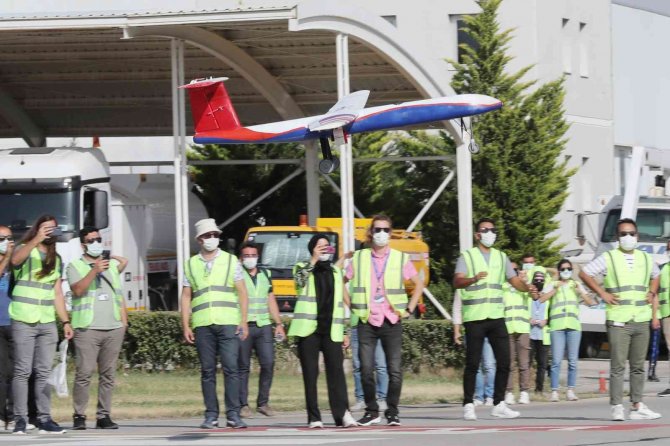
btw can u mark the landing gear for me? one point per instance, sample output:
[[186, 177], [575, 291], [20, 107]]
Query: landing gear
[[329, 163]]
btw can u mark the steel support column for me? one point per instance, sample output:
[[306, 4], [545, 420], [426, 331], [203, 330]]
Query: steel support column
[[464, 184]]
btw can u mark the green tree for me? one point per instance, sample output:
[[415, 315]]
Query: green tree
[[518, 178]]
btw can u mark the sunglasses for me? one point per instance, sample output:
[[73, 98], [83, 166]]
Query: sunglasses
[[625, 233], [210, 235], [485, 230], [93, 240], [6, 237], [249, 256], [378, 230], [565, 269]]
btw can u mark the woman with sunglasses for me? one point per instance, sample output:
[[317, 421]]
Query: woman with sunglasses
[[564, 297]]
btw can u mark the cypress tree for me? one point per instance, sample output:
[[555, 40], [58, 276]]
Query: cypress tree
[[518, 178]]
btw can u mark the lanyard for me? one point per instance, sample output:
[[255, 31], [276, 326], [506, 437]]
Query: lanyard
[[379, 275]]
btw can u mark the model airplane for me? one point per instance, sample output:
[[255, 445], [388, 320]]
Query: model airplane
[[216, 122]]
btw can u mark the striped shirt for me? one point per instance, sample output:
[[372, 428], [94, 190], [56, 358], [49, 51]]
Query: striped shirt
[[598, 266]]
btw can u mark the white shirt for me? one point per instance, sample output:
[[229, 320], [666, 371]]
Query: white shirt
[[598, 266]]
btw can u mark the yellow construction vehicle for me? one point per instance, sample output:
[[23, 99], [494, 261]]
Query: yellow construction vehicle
[[283, 246]]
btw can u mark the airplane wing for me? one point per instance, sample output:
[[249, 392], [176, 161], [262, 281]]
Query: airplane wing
[[344, 112]]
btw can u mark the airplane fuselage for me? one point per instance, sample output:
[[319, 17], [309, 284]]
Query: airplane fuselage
[[369, 119]]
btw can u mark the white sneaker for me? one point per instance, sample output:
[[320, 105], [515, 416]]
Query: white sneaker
[[570, 395], [469, 412], [618, 413], [477, 402], [360, 405], [348, 420], [509, 398], [316, 425], [555, 398], [643, 413], [382, 404], [502, 411], [488, 401], [524, 398]]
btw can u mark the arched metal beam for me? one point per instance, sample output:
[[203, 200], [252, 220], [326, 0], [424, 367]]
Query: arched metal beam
[[17, 117], [231, 55], [348, 18]]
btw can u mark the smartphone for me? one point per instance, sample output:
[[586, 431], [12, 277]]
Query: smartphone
[[330, 249], [105, 254], [57, 232]]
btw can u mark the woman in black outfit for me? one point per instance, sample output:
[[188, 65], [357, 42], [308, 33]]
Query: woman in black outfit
[[318, 325]]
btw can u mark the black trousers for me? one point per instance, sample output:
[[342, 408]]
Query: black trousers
[[390, 336], [6, 374], [475, 332], [538, 352], [333, 357]]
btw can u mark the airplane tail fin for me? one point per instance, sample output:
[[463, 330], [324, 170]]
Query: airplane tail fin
[[211, 107]]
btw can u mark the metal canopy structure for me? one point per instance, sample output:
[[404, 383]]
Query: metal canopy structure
[[114, 74]]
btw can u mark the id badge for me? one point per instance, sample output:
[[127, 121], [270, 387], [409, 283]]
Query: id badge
[[103, 297], [379, 298]]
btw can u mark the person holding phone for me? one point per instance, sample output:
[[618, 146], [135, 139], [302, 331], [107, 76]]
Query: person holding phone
[[318, 325], [37, 297], [214, 307], [99, 320], [379, 300]]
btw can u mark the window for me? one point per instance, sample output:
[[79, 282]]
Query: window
[[464, 38], [566, 50], [583, 51]]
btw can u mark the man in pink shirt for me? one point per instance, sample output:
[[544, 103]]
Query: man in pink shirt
[[379, 299]]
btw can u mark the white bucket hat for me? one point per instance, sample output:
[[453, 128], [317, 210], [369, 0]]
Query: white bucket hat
[[206, 225]]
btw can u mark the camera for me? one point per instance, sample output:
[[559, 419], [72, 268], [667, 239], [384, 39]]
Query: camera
[[330, 250], [56, 232], [538, 281]]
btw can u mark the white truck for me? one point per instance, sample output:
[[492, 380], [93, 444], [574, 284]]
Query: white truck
[[135, 213], [647, 203]]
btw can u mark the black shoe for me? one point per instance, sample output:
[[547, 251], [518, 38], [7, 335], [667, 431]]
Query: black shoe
[[393, 420], [50, 427], [666, 392], [78, 422], [106, 423], [653, 379], [236, 423], [20, 427], [369, 419]]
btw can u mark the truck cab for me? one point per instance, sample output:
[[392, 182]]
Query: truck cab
[[282, 247]]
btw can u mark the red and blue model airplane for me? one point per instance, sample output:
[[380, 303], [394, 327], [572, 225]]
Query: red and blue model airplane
[[216, 122]]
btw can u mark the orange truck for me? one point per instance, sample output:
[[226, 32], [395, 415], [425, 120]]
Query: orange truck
[[284, 246]]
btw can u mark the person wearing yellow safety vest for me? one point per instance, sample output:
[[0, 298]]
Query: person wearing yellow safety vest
[[6, 344], [629, 289], [480, 274], [318, 326], [263, 310], [37, 298], [99, 320], [214, 307], [664, 315], [379, 299], [563, 298], [517, 320]]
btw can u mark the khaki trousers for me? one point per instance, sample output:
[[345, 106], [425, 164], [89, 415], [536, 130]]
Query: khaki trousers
[[519, 351], [93, 348], [629, 342]]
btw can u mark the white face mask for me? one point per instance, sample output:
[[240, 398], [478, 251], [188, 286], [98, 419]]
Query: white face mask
[[381, 238], [94, 249], [210, 244], [488, 238], [325, 257], [527, 266], [565, 275], [250, 262], [4, 246], [628, 242]]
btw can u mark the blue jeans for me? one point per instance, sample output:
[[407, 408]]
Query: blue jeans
[[262, 341], [486, 374], [380, 368], [560, 340], [220, 340]]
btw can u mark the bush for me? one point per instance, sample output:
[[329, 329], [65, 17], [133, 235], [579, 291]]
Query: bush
[[444, 294], [154, 341]]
